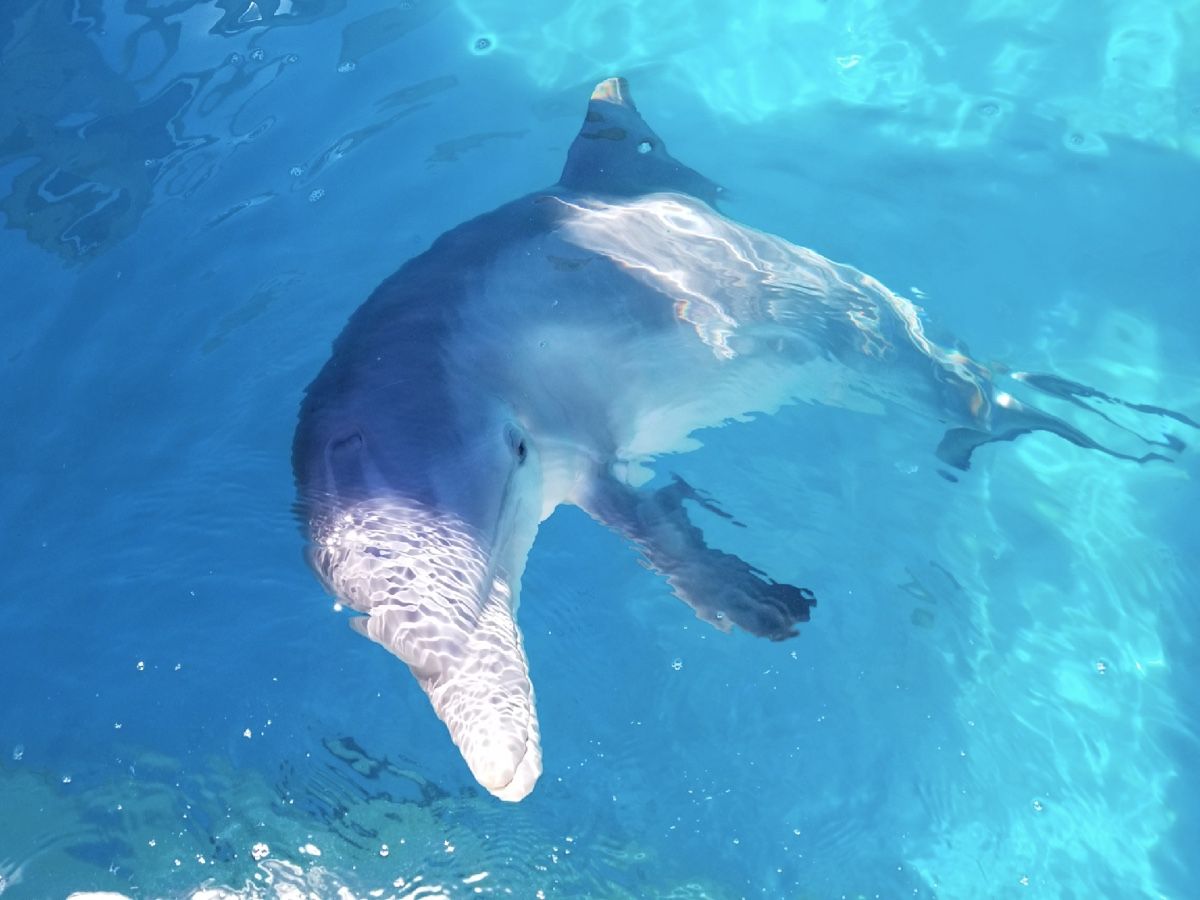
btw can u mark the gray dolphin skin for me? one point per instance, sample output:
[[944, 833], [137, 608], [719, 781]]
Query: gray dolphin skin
[[544, 353]]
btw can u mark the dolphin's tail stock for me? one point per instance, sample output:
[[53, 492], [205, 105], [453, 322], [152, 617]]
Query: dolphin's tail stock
[[1129, 427], [432, 599]]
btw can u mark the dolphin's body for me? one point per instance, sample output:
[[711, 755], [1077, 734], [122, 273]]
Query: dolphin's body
[[537, 356]]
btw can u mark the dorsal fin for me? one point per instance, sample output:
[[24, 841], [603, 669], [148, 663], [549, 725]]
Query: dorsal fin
[[617, 153]]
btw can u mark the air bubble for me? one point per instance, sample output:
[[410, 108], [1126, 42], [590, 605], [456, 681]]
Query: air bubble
[[989, 109], [1085, 142], [316, 195], [295, 171], [677, 664], [348, 66], [483, 44], [645, 147], [258, 55]]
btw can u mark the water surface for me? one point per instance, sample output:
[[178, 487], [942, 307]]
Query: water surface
[[996, 695]]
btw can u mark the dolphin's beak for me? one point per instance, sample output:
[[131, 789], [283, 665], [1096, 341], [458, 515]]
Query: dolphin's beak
[[477, 679], [486, 700], [432, 599]]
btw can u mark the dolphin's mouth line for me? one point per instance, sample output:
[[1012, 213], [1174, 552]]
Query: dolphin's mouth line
[[516, 767], [501, 533]]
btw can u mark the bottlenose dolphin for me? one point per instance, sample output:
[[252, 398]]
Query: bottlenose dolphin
[[541, 355]]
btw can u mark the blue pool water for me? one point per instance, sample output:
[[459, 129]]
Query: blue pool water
[[996, 696]]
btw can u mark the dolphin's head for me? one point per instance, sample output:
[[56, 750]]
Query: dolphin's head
[[423, 522]]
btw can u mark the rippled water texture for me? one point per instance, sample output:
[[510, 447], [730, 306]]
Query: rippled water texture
[[996, 695]]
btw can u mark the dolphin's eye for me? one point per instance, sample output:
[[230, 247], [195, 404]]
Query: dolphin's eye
[[517, 441]]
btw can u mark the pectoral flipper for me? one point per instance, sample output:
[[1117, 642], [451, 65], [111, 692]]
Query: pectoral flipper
[[722, 588]]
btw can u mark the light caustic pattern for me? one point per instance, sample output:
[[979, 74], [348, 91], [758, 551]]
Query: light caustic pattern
[[959, 76], [1068, 714]]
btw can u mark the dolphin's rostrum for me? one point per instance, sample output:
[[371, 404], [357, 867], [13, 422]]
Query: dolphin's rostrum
[[540, 355]]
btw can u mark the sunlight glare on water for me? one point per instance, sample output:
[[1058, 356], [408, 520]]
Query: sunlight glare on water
[[959, 71], [996, 694]]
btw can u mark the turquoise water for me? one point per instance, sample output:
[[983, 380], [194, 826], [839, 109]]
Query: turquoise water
[[996, 695]]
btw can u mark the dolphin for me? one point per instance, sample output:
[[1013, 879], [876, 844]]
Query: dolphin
[[543, 354]]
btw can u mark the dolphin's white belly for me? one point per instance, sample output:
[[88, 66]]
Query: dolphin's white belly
[[649, 397], [636, 323], [664, 418], [655, 317]]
